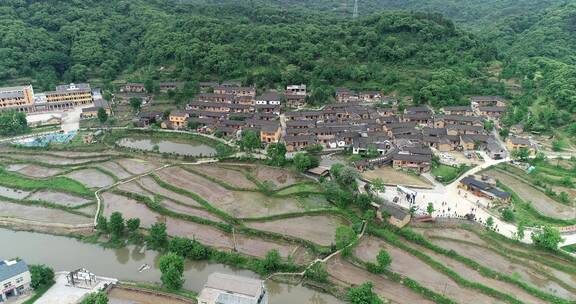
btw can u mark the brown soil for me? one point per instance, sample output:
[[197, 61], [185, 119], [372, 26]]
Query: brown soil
[[280, 177], [150, 184], [348, 274], [34, 170], [134, 187], [54, 160], [170, 205], [115, 169], [259, 247], [392, 176], [59, 198], [91, 178], [540, 201], [124, 296], [242, 204], [493, 260], [231, 177], [40, 214], [137, 166], [319, 229], [412, 267], [452, 233]]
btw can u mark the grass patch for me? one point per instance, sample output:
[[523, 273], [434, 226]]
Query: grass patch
[[299, 189], [58, 183], [38, 293], [446, 174]]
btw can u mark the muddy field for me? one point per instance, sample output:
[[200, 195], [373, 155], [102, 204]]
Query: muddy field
[[493, 260], [135, 187], [452, 233], [150, 184], [13, 193], [40, 214], [280, 177], [232, 177], [171, 205], [59, 198], [34, 170], [348, 274], [242, 204], [471, 275], [391, 176], [319, 229], [540, 201], [412, 267], [123, 296], [115, 169], [53, 160], [137, 166], [91, 178]]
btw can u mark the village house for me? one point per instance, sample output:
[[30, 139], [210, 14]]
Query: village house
[[295, 95], [213, 97], [236, 91], [92, 112], [514, 143], [464, 129], [492, 112], [484, 101], [416, 162], [482, 189], [494, 149], [14, 97], [15, 279], [230, 289], [167, 86], [370, 96], [268, 98], [379, 142], [270, 132], [394, 214], [421, 118], [344, 95], [441, 121], [178, 119], [458, 110], [133, 88], [299, 142]]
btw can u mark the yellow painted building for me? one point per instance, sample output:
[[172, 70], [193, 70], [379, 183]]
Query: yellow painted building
[[72, 94], [270, 134], [16, 96], [178, 119]]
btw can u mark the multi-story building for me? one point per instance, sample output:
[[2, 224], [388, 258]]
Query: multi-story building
[[178, 119], [18, 98], [14, 279], [224, 288]]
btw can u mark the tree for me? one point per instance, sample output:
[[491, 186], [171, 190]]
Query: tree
[[520, 230], [223, 150], [135, 104], [102, 224], [301, 161], [276, 154], [372, 151], [430, 209], [521, 154], [504, 132], [102, 115], [345, 176], [508, 215], [12, 123], [548, 238], [363, 294], [41, 275], [116, 224], [378, 185], [557, 145], [133, 225], [172, 268], [157, 238], [249, 141], [488, 125], [95, 298], [317, 273], [272, 261], [344, 236], [490, 222], [384, 259], [314, 149]]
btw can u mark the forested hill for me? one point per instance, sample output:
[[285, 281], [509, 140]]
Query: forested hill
[[74, 40], [468, 12]]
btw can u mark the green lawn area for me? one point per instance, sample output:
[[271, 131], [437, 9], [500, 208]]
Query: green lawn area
[[446, 174], [571, 248], [55, 183]]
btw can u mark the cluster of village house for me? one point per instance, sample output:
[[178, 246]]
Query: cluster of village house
[[403, 138]]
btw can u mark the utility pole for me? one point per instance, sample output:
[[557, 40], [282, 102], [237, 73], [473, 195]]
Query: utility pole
[[355, 14]]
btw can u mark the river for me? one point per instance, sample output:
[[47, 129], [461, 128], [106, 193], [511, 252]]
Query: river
[[62, 253], [188, 148]]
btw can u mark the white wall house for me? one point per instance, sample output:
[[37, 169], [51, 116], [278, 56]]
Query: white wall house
[[14, 279], [229, 289]]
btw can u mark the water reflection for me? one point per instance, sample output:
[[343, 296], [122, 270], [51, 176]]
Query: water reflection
[[65, 254], [189, 148]]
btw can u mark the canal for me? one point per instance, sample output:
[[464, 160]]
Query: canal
[[62, 253]]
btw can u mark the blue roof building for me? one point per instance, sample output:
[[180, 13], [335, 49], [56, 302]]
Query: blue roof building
[[14, 279]]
